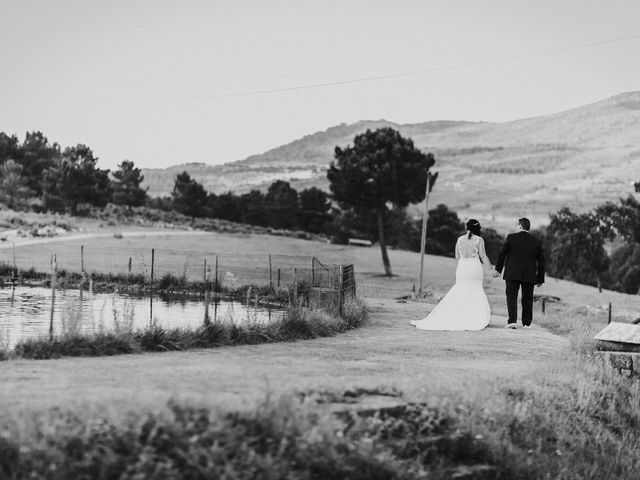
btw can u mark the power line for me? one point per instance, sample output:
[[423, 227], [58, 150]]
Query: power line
[[420, 72]]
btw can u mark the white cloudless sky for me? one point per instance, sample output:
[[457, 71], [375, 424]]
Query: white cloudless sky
[[155, 81]]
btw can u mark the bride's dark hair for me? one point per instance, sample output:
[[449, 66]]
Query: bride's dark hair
[[474, 227]]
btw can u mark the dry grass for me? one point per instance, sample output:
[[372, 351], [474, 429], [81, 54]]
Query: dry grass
[[386, 352], [570, 418], [528, 403], [104, 252]]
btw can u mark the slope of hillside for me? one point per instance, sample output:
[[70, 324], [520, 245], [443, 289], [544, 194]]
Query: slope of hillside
[[494, 171]]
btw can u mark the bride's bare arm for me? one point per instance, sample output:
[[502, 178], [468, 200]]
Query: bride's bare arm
[[457, 249]]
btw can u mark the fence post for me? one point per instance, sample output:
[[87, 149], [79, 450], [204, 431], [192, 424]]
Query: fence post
[[340, 289], [153, 261], [278, 278], [129, 265], [53, 298], [609, 321], [313, 270], [204, 273], [217, 286], [81, 258], [13, 249], [544, 304], [207, 294], [295, 284], [270, 273]]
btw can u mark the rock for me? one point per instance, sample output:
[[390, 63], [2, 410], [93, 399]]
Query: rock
[[625, 363], [473, 472]]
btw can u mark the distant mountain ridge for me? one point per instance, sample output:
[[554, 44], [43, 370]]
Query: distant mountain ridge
[[494, 171]]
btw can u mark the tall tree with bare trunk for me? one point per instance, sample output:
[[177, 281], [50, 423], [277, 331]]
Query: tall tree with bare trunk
[[382, 168]]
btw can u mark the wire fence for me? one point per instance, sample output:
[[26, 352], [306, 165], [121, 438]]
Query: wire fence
[[303, 276]]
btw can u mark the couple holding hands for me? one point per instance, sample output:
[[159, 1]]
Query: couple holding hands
[[465, 306]]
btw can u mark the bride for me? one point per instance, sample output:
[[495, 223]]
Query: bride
[[465, 306]]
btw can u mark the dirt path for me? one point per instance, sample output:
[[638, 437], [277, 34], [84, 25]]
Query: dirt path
[[387, 353]]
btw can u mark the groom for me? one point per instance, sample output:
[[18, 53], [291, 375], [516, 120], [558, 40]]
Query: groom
[[523, 260]]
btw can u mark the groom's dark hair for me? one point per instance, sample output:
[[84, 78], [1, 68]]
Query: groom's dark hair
[[524, 223]]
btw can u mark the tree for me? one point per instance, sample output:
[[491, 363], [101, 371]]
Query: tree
[[254, 211], [282, 205], [75, 179], [13, 185], [314, 214], [9, 147], [226, 206], [624, 272], [381, 168], [577, 246], [622, 219], [444, 229], [189, 196], [493, 242], [36, 155], [126, 186]]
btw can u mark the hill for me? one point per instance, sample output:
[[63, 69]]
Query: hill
[[493, 171]]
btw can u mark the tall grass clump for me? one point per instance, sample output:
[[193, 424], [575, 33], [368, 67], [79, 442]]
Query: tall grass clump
[[296, 323], [575, 421], [275, 441], [354, 312], [100, 344]]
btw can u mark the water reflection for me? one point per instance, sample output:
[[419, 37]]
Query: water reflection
[[25, 312]]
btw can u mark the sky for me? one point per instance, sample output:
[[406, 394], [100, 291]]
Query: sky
[[163, 83]]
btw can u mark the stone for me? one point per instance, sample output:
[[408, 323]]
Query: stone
[[625, 363]]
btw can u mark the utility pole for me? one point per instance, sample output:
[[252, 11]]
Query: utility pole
[[423, 238]]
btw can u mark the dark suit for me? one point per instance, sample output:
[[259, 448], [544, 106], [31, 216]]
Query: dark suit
[[522, 258]]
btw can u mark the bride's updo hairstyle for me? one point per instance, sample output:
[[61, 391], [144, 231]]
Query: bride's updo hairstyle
[[474, 227]]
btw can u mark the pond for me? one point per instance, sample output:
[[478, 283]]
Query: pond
[[25, 312]]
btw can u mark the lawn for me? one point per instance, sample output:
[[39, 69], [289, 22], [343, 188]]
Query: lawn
[[528, 396]]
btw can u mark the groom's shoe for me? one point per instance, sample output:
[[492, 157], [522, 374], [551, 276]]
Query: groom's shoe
[[510, 325], [526, 326]]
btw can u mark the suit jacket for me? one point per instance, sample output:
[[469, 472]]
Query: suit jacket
[[522, 258]]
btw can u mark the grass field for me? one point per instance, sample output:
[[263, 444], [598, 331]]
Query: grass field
[[176, 249], [512, 388]]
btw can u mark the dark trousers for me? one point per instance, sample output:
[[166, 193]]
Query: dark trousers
[[527, 301]]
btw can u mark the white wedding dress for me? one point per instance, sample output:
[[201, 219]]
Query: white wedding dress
[[465, 306]]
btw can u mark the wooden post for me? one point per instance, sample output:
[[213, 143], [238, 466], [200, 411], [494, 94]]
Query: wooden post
[[278, 278], [204, 273], [609, 321], [13, 249], [313, 270], [270, 273], [53, 298], [544, 303], [153, 260], [217, 287], [295, 284], [129, 265], [81, 270], [340, 290], [423, 237], [207, 294]]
